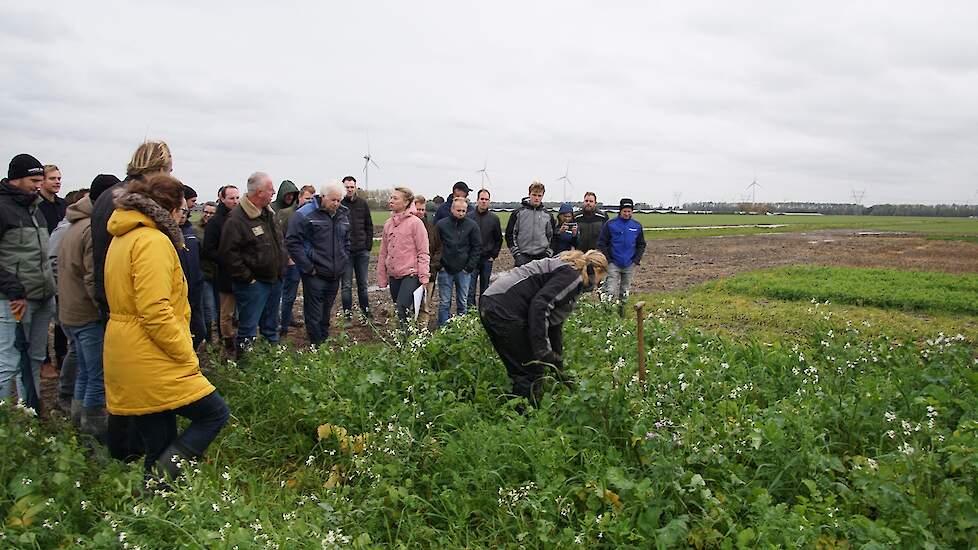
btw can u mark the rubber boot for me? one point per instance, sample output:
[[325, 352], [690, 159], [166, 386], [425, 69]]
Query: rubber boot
[[95, 422], [168, 465], [77, 413]]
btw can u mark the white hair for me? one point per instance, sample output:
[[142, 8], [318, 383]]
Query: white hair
[[255, 180], [332, 186]]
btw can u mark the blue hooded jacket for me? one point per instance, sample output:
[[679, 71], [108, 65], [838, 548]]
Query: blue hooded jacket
[[319, 243], [622, 241]]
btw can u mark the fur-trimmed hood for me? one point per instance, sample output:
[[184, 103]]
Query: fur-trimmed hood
[[146, 206]]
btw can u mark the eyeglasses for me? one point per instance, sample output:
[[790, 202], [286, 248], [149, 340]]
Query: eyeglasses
[[185, 210]]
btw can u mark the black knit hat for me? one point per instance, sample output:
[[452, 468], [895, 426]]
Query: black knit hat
[[188, 192], [100, 184], [626, 203], [24, 165]]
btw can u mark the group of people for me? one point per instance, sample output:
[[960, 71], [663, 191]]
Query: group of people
[[136, 287]]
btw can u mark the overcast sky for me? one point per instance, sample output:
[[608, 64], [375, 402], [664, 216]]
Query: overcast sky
[[644, 99]]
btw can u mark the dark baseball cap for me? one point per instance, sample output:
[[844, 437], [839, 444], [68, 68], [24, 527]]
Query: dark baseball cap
[[461, 185], [626, 203]]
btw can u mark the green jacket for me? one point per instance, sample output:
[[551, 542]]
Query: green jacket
[[25, 269], [286, 188]]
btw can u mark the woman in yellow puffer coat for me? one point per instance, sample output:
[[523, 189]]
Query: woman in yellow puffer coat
[[151, 369]]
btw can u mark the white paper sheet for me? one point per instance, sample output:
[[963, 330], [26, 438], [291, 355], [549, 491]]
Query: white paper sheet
[[418, 296]]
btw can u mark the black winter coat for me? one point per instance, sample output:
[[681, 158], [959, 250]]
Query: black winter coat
[[491, 232], [461, 244], [211, 246], [361, 224], [540, 296], [54, 211]]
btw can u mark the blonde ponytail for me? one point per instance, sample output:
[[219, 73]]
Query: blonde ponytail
[[580, 261]]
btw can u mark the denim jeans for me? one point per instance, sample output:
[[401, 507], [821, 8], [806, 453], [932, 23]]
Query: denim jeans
[[69, 372], [290, 289], [36, 320], [209, 299], [619, 280], [480, 278], [402, 293], [159, 430], [318, 295], [257, 310], [87, 342], [359, 262], [446, 282]]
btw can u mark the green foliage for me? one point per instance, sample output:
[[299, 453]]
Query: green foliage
[[886, 288], [839, 439]]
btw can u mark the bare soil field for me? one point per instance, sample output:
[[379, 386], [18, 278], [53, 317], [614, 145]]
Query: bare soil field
[[676, 264]]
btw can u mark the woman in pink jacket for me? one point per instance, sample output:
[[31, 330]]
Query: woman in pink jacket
[[403, 261]]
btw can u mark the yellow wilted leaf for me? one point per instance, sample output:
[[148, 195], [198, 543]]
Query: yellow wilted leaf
[[324, 431], [25, 510], [612, 498], [291, 483], [335, 477], [360, 443]]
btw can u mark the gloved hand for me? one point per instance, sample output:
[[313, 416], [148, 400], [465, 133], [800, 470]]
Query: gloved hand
[[553, 358], [558, 362]]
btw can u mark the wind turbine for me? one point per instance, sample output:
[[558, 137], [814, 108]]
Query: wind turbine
[[367, 161], [485, 173], [753, 187], [566, 179]]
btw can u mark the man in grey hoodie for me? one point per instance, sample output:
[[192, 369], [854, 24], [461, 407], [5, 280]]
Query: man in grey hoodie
[[530, 228]]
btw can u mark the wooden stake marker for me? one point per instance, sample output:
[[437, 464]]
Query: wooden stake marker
[[640, 320]]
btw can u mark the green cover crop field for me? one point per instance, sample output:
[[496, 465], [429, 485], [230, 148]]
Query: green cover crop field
[[803, 407]]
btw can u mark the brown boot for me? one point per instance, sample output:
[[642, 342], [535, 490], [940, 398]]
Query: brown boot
[[48, 371]]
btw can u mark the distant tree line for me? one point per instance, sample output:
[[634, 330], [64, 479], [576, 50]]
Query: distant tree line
[[377, 199], [839, 209]]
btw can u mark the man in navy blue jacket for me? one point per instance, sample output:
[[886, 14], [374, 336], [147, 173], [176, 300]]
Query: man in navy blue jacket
[[622, 240], [318, 240], [460, 189], [190, 261]]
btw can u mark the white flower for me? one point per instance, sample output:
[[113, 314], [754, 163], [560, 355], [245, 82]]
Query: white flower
[[890, 417]]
